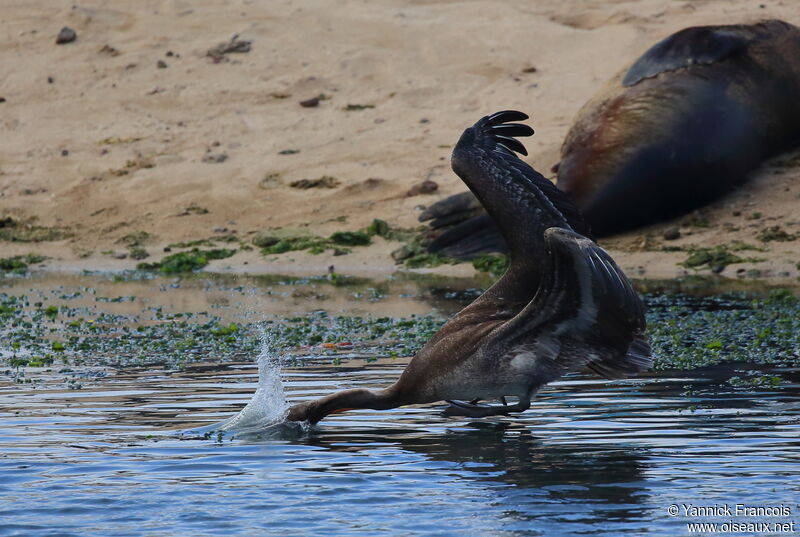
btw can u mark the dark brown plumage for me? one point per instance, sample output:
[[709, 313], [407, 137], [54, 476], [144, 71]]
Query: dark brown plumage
[[563, 304]]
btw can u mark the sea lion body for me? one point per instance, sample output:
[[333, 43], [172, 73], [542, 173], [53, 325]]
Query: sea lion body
[[681, 126], [684, 124]]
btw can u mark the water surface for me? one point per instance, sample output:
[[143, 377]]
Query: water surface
[[589, 458]]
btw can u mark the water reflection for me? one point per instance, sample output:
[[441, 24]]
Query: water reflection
[[510, 453]]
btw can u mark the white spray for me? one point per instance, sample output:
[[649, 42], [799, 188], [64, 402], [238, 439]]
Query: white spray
[[268, 405]]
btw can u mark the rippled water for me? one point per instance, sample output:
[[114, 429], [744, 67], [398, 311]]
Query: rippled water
[[589, 457]]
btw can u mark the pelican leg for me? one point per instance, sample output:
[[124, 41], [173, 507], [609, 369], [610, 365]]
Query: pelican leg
[[461, 408]]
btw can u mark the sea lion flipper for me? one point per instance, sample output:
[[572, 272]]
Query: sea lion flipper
[[698, 45], [469, 239], [461, 202]]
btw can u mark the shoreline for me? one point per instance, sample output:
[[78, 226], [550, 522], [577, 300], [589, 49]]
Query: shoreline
[[454, 277]]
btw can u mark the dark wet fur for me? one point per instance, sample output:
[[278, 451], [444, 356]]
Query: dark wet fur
[[701, 45], [691, 119], [688, 122]]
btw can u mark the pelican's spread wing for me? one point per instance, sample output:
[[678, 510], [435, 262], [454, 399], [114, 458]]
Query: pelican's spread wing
[[587, 304], [518, 198]]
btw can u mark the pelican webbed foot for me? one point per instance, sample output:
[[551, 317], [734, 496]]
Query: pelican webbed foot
[[471, 410]]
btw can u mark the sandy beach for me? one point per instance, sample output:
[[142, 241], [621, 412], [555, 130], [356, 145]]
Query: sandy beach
[[134, 129]]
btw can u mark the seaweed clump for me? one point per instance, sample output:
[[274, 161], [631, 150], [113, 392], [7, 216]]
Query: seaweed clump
[[190, 261], [18, 264], [12, 230], [715, 258], [277, 243], [429, 260], [351, 238], [775, 233], [494, 264]]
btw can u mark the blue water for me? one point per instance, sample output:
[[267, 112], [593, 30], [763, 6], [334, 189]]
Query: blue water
[[589, 458]]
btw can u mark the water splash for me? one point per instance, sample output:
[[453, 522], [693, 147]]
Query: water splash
[[268, 405]]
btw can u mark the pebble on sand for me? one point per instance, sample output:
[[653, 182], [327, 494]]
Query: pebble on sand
[[310, 103], [109, 50], [215, 158], [326, 181], [235, 45], [66, 35], [672, 233], [425, 187]]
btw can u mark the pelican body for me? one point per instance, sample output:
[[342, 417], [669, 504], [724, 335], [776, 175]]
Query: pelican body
[[562, 304]]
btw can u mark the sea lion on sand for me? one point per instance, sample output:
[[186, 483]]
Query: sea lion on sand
[[684, 124], [677, 129]]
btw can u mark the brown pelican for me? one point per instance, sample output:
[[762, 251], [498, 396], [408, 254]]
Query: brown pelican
[[562, 305]]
